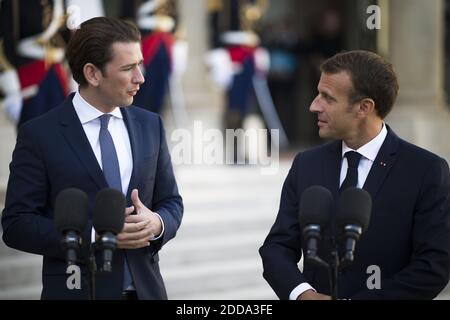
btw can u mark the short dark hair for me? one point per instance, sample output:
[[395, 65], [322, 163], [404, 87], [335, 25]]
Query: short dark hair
[[372, 77], [92, 43]]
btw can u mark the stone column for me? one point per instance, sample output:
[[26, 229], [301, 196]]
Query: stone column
[[416, 48], [194, 24], [202, 101]]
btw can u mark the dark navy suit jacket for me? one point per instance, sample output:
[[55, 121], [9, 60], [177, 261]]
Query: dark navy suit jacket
[[53, 153], [408, 236]]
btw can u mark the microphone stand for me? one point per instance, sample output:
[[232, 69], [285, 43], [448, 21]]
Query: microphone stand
[[333, 268], [333, 273], [92, 265]]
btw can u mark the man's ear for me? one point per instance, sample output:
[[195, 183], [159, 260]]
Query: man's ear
[[366, 107], [92, 74]]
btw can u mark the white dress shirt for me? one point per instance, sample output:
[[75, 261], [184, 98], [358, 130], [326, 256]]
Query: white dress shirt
[[369, 152], [89, 118]]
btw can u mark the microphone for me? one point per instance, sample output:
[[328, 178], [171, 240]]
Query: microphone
[[352, 219], [109, 217], [70, 218], [313, 216]]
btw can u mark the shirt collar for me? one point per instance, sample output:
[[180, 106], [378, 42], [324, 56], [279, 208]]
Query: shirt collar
[[371, 148], [86, 112]]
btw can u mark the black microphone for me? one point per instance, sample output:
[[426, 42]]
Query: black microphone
[[109, 217], [352, 219], [313, 216], [70, 218]]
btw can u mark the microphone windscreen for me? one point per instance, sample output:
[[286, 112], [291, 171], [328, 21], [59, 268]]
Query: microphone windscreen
[[71, 210], [109, 211], [355, 208], [315, 206]]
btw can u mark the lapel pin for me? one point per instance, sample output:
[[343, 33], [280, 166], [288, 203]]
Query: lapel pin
[[383, 163]]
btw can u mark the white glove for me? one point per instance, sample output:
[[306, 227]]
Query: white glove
[[221, 67], [10, 85]]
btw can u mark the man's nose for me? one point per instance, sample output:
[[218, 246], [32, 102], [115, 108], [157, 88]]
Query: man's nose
[[139, 77], [315, 106]]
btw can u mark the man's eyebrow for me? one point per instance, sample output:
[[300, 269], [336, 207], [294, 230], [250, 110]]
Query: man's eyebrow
[[326, 94], [132, 64]]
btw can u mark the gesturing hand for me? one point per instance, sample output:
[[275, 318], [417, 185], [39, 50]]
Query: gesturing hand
[[139, 227]]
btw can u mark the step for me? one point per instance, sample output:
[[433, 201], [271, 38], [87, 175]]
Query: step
[[240, 200], [20, 270], [8, 141], [201, 175], [219, 225], [228, 184], [219, 241], [6, 251], [236, 216], [259, 292], [214, 268], [232, 197], [445, 294], [177, 255], [223, 288], [197, 257], [2, 206], [215, 275], [28, 292]]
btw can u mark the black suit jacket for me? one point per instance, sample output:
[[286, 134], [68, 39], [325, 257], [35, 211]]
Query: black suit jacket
[[53, 153], [408, 236]]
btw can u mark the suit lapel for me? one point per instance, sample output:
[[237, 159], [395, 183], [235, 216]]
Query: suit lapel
[[77, 140], [329, 178], [135, 134], [383, 163], [331, 168]]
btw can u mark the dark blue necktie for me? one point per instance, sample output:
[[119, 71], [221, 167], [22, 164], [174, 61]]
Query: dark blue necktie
[[111, 171], [351, 179], [110, 162]]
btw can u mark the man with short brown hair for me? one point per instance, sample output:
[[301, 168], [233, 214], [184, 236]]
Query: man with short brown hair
[[408, 237], [94, 140]]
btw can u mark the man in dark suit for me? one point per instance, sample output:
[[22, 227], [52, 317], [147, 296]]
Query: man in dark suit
[[408, 237], [95, 140]]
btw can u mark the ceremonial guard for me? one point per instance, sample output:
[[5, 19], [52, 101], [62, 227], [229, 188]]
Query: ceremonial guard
[[34, 36]]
